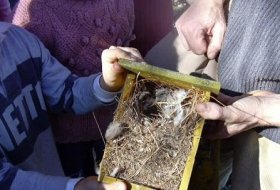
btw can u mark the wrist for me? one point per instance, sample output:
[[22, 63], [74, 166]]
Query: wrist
[[103, 84], [107, 87], [269, 109], [104, 95]]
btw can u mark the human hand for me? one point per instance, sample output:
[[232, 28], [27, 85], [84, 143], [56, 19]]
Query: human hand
[[113, 74], [259, 108], [202, 26], [90, 183]]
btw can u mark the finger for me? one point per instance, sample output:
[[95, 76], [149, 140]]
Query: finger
[[112, 47], [112, 56], [192, 36], [197, 41], [237, 128], [135, 53], [115, 186], [221, 131], [216, 41], [217, 129], [213, 111]]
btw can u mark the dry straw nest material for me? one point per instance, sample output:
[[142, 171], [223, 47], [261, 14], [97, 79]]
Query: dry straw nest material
[[157, 130]]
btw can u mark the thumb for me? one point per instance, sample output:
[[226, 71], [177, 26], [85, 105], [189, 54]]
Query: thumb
[[115, 186], [216, 41], [213, 111], [209, 110], [197, 41]]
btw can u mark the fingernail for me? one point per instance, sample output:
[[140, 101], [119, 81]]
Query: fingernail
[[211, 55], [120, 186], [200, 108]]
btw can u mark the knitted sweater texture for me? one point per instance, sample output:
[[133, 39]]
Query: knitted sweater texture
[[30, 80], [250, 57], [76, 33], [5, 11]]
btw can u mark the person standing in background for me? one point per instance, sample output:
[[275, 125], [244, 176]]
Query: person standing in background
[[247, 48]]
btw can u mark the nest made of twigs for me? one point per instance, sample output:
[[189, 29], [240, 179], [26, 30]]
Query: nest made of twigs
[[156, 139]]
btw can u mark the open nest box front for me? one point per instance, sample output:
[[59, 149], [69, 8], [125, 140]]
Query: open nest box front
[[158, 129]]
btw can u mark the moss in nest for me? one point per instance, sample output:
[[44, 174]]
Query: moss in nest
[[156, 135]]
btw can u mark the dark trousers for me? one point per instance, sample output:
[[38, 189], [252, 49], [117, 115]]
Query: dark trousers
[[77, 158], [13, 3]]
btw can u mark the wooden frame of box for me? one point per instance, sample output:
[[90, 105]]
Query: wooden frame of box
[[168, 77]]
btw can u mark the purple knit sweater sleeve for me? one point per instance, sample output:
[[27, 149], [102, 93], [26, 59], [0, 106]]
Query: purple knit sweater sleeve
[[5, 11]]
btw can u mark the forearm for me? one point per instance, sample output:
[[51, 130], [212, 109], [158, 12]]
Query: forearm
[[78, 95], [89, 95], [66, 92]]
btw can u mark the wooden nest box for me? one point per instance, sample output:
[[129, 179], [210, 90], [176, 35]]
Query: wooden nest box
[[159, 129]]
